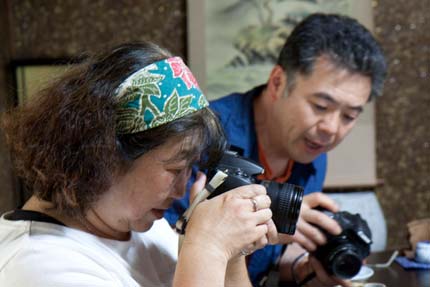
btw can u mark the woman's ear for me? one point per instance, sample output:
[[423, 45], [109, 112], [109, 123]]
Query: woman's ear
[[277, 83]]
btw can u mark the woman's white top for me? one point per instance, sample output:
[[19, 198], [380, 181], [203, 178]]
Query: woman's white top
[[44, 254]]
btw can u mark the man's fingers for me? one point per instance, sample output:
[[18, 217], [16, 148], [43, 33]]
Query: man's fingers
[[301, 239], [321, 274], [319, 199], [323, 278], [321, 220], [312, 235]]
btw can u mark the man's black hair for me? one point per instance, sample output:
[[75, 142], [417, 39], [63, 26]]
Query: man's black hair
[[347, 43]]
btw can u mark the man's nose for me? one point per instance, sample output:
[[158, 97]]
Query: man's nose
[[329, 124]]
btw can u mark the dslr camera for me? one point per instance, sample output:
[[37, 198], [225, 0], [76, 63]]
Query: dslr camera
[[286, 198], [343, 254]]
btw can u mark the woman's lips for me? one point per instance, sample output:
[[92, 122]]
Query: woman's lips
[[158, 213]]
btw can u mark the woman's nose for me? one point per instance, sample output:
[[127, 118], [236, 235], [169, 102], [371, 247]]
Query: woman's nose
[[179, 187]]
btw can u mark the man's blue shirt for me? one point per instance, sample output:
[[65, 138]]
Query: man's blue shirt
[[236, 114]]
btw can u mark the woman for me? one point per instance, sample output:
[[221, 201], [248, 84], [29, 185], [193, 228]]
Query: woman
[[105, 150]]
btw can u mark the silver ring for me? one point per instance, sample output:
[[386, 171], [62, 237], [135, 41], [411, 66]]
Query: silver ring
[[245, 252], [254, 204]]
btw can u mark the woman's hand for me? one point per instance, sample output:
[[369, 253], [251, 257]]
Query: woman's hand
[[233, 223]]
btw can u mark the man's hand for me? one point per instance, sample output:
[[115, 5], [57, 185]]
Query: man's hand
[[304, 267], [307, 234], [322, 278]]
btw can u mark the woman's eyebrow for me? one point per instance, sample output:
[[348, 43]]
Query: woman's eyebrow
[[181, 157]]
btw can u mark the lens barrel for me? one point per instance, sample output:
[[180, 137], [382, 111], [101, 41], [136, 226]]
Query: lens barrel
[[286, 202], [346, 264]]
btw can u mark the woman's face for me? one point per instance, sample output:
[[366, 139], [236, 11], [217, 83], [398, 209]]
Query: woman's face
[[141, 196]]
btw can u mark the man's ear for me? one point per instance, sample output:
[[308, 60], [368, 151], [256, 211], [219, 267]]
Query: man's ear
[[277, 83]]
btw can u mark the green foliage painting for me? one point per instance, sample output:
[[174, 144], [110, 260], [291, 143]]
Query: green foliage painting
[[244, 37]]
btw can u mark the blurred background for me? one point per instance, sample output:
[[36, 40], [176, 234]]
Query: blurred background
[[39, 32]]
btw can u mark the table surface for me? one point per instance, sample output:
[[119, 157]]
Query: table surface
[[395, 275]]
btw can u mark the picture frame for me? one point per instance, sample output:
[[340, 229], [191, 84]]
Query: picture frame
[[29, 76], [350, 165]]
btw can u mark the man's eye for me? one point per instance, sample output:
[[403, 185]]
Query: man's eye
[[320, 107], [349, 118]]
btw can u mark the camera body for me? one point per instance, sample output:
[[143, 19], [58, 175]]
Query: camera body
[[285, 198], [343, 254]]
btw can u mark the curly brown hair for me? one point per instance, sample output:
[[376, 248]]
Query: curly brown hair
[[63, 141]]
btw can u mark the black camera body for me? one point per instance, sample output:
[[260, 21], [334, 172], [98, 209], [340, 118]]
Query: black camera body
[[286, 198], [343, 254]]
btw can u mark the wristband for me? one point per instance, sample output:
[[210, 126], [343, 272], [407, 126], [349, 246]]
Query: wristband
[[293, 265]]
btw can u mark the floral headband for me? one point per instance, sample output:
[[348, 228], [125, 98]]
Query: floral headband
[[157, 94]]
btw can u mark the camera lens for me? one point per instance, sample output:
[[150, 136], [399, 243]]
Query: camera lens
[[346, 264], [286, 201], [342, 255]]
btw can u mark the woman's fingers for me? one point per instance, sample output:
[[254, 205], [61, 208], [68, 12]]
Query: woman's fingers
[[248, 191], [262, 216], [198, 185], [238, 221], [272, 233], [261, 201]]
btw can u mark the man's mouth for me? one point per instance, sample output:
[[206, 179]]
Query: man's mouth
[[314, 146]]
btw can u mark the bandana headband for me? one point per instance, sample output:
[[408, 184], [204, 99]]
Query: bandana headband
[[157, 94]]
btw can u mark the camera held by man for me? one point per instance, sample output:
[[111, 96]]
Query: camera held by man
[[343, 254]]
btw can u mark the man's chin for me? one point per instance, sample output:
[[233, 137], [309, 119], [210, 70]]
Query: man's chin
[[306, 158], [306, 154]]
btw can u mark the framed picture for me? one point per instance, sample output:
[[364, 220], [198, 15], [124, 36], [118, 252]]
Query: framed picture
[[32, 75], [233, 45], [29, 77]]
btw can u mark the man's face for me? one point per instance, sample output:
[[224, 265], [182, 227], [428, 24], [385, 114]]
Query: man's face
[[318, 112]]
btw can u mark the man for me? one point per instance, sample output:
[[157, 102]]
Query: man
[[328, 69]]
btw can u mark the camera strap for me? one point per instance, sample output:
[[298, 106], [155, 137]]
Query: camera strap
[[30, 215], [213, 184]]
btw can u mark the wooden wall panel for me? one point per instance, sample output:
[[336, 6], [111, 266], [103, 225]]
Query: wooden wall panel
[[402, 115]]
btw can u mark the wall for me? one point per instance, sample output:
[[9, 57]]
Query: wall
[[402, 114], [67, 28], [8, 196]]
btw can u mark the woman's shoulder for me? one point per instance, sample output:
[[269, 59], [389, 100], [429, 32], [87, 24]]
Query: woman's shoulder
[[24, 238], [41, 254], [46, 253]]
